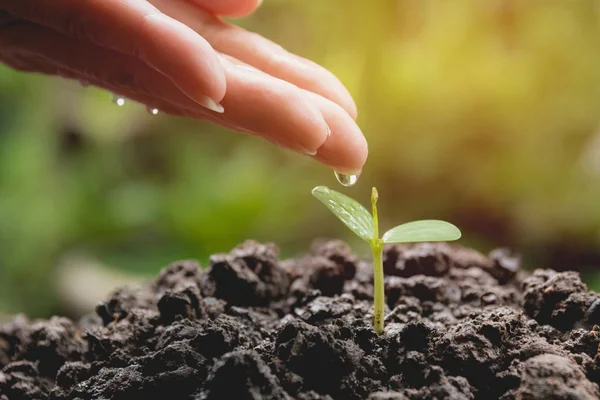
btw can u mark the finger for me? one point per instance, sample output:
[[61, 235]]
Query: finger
[[136, 28], [261, 53], [229, 8], [272, 108], [30, 47], [346, 149], [271, 58]]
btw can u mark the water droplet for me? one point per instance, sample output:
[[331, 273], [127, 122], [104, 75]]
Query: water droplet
[[152, 110], [346, 180], [84, 83], [119, 100]]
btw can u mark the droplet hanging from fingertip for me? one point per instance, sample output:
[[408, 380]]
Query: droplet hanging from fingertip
[[346, 180]]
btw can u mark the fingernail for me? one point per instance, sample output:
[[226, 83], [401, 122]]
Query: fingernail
[[211, 105]]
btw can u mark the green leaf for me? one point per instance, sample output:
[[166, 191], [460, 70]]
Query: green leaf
[[348, 210], [422, 231]]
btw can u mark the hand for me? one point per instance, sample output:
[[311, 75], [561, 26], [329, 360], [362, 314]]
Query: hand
[[179, 57]]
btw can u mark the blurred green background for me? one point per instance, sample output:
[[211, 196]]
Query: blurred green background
[[484, 113]]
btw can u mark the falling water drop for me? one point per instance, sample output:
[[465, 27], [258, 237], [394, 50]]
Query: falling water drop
[[119, 100], [346, 180], [152, 110]]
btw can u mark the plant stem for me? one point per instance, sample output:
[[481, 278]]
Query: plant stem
[[378, 287], [379, 291]]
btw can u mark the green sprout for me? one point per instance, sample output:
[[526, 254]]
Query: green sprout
[[366, 226]]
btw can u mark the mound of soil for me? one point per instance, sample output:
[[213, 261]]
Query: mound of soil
[[460, 325]]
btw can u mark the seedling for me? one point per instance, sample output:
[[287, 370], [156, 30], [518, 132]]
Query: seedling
[[366, 226]]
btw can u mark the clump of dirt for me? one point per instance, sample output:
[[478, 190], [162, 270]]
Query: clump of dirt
[[459, 325]]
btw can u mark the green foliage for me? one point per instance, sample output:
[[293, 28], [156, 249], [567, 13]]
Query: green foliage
[[422, 231], [348, 210]]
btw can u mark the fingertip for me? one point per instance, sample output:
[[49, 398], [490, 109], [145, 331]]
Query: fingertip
[[198, 74], [210, 85], [347, 157], [217, 87], [209, 79], [346, 149], [307, 129]]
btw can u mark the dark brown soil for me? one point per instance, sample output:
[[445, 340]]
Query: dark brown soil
[[460, 325]]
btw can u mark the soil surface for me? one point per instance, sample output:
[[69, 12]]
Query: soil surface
[[460, 325]]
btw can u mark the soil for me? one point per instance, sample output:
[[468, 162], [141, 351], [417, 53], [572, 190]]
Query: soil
[[460, 325]]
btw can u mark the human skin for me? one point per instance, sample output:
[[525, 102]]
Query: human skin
[[178, 56]]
